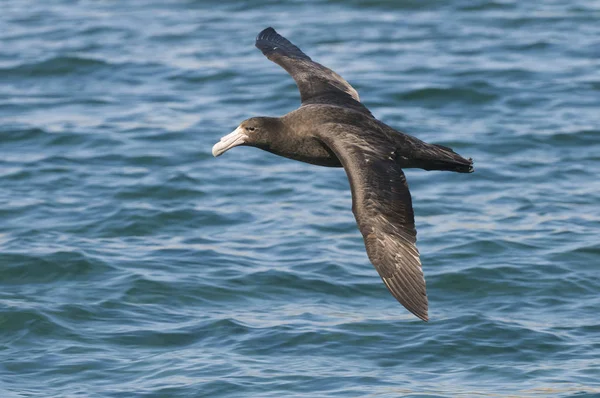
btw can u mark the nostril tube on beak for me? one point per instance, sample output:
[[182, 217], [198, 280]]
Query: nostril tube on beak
[[235, 138]]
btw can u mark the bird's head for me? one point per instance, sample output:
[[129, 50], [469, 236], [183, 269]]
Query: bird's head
[[256, 131]]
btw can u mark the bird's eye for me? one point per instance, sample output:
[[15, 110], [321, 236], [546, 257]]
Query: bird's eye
[[250, 128]]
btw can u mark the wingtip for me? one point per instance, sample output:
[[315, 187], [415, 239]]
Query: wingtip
[[265, 32], [414, 302], [421, 313], [269, 41]]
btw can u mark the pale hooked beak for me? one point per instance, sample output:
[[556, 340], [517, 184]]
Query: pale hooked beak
[[235, 138]]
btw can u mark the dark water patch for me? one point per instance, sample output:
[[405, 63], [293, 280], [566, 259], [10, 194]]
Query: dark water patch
[[202, 76], [410, 5], [111, 159], [29, 139], [591, 251], [106, 33], [513, 74], [493, 338], [49, 267], [24, 134], [57, 66], [285, 340], [483, 282], [177, 337], [167, 192], [146, 222], [276, 281], [22, 326], [484, 5], [446, 96], [572, 139], [145, 339], [540, 45], [158, 136]]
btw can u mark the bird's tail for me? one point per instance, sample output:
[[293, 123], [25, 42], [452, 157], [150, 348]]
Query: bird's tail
[[439, 157]]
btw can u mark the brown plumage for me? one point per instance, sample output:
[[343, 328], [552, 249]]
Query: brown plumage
[[333, 128]]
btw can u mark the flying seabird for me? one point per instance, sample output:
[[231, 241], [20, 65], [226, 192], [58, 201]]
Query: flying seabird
[[333, 128]]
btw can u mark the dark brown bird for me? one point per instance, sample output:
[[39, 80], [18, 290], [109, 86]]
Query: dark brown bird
[[333, 128]]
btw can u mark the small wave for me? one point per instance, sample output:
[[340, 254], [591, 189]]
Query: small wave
[[484, 5], [437, 96], [574, 139], [143, 221], [24, 323], [283, 282], [195, 77], [20, 268], [56, 66], [178, 335], [171, 193], [408, 5], [21, 134]]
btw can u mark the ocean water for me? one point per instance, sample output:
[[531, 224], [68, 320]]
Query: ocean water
[[134, 264]]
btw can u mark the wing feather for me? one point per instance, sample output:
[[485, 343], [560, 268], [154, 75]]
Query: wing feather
[[382, 205], [317, 84]]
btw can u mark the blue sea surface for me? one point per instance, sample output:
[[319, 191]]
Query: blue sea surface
[[134, 264]]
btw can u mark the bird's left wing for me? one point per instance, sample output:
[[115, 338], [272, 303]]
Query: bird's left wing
[[316, 83], [382, 206]]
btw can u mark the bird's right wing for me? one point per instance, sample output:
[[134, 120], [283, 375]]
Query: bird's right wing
[[317, 84], [382, 206]]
